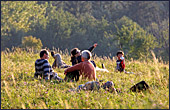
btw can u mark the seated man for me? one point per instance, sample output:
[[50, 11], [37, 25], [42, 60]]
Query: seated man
[[86, 68], [43, 68]]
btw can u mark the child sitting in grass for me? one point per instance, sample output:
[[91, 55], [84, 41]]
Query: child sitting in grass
[[120, 62]]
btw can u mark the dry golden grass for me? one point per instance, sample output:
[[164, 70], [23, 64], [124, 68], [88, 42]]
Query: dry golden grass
[[19, 90]]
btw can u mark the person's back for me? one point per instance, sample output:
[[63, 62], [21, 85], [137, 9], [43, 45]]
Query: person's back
[[42, 67], [87, 70]]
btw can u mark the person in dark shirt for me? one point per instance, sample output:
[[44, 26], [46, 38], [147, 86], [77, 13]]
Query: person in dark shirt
[[120, 61], [76, 55], [76, 58]]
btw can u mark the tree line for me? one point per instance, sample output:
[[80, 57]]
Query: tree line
[[136, 27]]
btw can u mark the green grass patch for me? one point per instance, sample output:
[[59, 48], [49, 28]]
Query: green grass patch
[[19, 90]]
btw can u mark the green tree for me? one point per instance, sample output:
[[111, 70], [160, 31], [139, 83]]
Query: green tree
[[132, 39], [61, 26], [161, 33], [146, 12], [78, 8], [69, 24], [18, 18]]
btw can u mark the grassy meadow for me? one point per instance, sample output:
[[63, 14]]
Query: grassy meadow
[[19, 90]]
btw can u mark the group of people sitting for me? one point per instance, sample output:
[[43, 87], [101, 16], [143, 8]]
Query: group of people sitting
[[81, 66]]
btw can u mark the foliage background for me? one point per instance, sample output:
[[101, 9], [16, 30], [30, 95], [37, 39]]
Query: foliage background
[[136, 27]]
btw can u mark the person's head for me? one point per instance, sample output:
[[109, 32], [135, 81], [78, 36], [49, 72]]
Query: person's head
[[75, 52], [120, 54], [85, 55], [44, 54]]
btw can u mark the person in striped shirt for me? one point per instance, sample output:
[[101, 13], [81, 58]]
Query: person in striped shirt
[[43, 68]]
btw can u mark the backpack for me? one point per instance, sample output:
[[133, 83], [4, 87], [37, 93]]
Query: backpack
[[139, 87]]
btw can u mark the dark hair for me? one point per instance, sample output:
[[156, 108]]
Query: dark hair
[[43, 52], [52, 54], [74, 51], [120, 52]]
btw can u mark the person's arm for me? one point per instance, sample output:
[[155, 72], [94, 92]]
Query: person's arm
[[92, 47], [35, 67], [73, 68]]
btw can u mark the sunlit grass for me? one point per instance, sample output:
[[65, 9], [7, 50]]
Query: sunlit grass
[[19, 90]]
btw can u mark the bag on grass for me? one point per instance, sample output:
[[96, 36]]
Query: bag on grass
[[139, 87]]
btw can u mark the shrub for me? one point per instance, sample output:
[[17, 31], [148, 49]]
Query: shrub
[[31, 42]]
